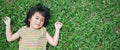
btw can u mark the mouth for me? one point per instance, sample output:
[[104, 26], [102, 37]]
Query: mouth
[[38, 24]]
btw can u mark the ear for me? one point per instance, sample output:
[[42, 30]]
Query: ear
[[29, 20]]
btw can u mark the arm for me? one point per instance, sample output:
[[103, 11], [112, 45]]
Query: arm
[[54, 40], [9, 35]]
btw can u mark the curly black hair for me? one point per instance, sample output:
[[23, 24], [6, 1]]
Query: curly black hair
[[45, 11]]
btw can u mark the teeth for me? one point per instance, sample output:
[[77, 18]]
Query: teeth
[[38, 24]]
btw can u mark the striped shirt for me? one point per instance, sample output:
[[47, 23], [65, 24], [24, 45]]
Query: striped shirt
[[32, 39]]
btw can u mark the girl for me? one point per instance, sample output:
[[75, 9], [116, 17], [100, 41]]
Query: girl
[[34, 36]]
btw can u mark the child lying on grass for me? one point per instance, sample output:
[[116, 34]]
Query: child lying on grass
[[34, 36]]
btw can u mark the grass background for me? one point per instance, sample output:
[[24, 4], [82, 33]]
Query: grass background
[[87, 24]]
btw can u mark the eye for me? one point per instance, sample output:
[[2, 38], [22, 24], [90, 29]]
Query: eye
[[37, 18], [42, 20]]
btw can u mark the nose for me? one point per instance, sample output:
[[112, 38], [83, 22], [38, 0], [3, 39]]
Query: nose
[[38, 21]]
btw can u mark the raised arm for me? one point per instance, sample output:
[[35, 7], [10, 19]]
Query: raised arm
[[9, 35], [54, 40]]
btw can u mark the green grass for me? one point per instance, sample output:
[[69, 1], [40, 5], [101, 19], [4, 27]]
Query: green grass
[[87, 24]]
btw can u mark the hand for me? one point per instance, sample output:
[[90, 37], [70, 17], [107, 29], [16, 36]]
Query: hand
[[58, 25], [7, 20]]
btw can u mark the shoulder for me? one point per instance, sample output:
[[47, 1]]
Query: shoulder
[[23, 28], [44, 28]]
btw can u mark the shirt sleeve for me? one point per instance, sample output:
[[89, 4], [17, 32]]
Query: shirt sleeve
[[20, 31]]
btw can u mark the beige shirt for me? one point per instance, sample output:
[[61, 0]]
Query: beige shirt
[[32, 39]]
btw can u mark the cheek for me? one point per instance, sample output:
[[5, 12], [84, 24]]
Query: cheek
[[32, 21], [42, 23]]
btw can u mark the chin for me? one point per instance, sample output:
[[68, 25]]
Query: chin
[[37, 27]]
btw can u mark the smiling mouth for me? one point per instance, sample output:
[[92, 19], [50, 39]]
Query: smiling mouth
[[38, 24]]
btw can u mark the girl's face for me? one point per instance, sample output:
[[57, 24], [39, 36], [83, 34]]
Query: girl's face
[[36, 21]]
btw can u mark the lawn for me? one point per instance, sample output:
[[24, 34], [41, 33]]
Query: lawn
[[87, 24]]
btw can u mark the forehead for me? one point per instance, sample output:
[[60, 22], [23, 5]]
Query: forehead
[[38, 14]]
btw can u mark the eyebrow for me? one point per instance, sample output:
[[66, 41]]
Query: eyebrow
[[42, 17]]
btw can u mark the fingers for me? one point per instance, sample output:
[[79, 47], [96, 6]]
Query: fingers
[[6, 18], [58, 23]]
